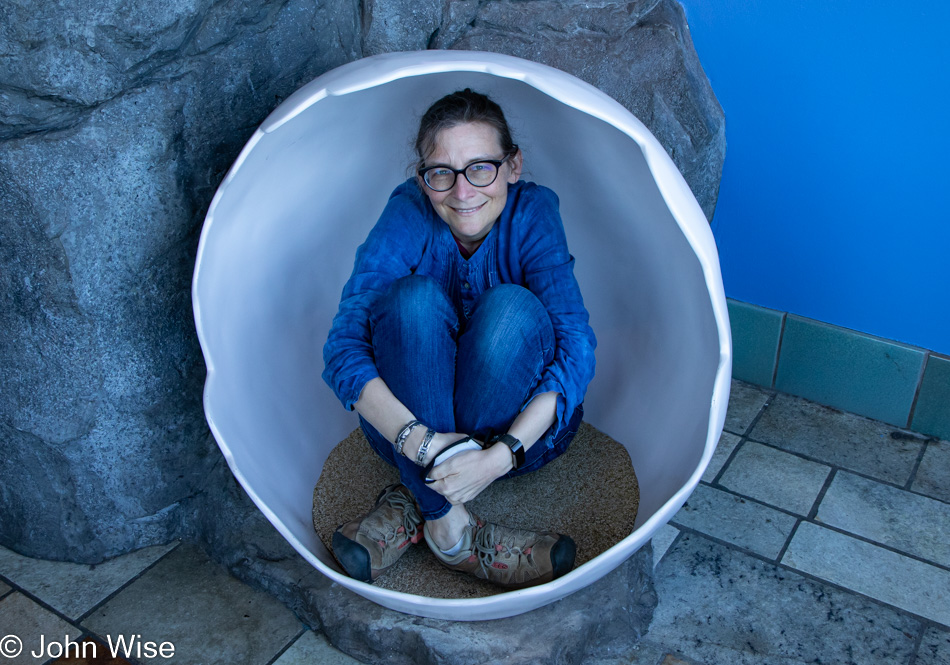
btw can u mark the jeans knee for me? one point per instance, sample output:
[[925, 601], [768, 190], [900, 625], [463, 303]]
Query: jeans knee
[[509, 319], [510, 308], [512, 297], [416, 294]]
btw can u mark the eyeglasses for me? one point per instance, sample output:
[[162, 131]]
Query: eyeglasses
[[480, 174]]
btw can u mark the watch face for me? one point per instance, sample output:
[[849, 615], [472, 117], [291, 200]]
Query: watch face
[[517, 448]]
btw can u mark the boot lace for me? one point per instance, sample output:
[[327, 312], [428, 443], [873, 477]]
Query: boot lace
[[488, 547], [386, 531]]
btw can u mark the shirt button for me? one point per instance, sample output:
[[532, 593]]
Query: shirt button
[[466, 285]]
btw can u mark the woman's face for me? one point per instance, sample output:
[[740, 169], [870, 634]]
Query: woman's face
[[468, 210]]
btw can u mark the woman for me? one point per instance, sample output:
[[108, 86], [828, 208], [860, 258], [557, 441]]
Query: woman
[[463, 343]]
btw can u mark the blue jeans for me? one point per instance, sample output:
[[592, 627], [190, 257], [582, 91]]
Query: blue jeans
[[471, 377]]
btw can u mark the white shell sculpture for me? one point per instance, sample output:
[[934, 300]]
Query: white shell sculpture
[[279, 241]]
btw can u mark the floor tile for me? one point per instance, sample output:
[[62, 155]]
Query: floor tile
[[775, 477], [718, 605], [727, 443], [848, 370], [931, 414], [905, 521], [933, 474], [662, 540], [312, 648], [209, 616], [745, 402], [839, 438], [74, 588], [744, 523], [755, 336], [24, 623], [934, 648], [874, 571]]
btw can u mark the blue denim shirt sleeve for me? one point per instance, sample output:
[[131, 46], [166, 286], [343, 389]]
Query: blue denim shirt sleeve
[[392, 250], [548, 272]]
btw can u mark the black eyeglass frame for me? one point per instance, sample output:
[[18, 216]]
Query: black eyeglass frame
[[464, 171]]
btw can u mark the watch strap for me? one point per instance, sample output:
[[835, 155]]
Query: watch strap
[[516, 447]]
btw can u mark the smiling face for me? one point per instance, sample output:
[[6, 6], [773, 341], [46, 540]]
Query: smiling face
[[471, 211]]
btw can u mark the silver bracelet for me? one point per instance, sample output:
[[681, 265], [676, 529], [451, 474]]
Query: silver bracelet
[[404, 434], [424, 448]]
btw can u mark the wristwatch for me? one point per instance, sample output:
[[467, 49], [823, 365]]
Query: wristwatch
[[517, 448]]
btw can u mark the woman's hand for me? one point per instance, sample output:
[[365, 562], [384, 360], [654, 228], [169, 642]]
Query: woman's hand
[[463, 477]]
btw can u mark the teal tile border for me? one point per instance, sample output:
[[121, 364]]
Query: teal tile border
[[932, 411], [848, 370], [756, 332], [879, 378]]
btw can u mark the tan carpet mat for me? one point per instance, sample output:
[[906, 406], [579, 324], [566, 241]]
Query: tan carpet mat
[[589, 493]]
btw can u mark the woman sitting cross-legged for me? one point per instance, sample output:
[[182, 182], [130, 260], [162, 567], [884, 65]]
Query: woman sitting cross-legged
[[463, 343]]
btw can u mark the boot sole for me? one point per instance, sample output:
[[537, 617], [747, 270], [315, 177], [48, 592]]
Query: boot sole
[[353, 557], [562, 556]]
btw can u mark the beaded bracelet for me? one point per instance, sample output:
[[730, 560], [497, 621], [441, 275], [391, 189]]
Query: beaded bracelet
[[404, 434], [424, 448]]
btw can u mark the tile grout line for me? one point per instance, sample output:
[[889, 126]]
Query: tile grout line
[[725, 543], [927, 624], [287, 646], [861, 474], [823, 525], [920, 458], [125, 585], [42, 603], [920, 382], [803, 456], [679, 537], [742, 438], [917, 642], [818, 580], [755, 421], [778, 349], [788, 542], [751, 499], [813, 513], [725, 465], [883, 546], [927, 496]]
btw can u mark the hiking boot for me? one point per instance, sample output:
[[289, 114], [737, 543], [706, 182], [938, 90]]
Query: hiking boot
[[368, 546], [512, 558]]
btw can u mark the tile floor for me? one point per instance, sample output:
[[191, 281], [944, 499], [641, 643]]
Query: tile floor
[[816, 536]]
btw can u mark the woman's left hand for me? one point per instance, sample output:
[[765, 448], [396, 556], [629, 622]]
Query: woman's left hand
[[464, 476]]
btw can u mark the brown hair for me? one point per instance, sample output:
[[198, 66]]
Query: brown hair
[[460, 107]]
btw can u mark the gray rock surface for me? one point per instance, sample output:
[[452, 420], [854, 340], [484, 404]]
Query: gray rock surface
[[118, 120], [608, 617], [639, 52], [399, 25], [117, 123]]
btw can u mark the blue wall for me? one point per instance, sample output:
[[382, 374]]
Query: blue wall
[[834, 197]]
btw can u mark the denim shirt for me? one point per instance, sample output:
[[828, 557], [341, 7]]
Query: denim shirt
[[526, 246]]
